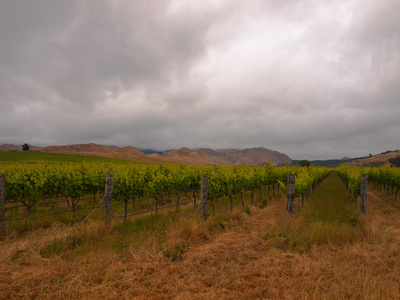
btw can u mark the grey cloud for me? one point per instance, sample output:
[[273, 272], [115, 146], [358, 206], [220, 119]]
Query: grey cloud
[[309, 78]]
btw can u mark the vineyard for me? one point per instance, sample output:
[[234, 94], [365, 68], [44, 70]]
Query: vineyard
[[37, 190], [34, 191], [38, 194], [157, 244], [384, 178]]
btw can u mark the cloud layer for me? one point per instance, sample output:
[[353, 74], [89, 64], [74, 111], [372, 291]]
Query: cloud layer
[[309, 78]]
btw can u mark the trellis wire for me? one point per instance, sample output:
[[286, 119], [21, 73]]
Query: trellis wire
[[229, 207], [150, 210], [56, 213]]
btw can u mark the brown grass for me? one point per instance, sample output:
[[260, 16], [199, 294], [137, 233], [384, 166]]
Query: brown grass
[[379, 158], [224, 258]]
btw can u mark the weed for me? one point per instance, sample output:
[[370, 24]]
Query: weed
[[247, 210], [176, 252]]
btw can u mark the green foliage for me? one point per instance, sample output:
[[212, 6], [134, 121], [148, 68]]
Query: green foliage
[[47, 180], [352, 176], [395, 162], [25, 147], [32, 183], [304, 163], [307, 177], [13, 157], [384, 175]]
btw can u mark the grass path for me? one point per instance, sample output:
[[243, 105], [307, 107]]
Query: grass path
[[329, 252]]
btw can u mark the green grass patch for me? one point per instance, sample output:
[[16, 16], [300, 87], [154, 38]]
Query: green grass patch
[[34, 157], [170, 232], [146, 223], [45, 215], [329, 218], [257, 197]]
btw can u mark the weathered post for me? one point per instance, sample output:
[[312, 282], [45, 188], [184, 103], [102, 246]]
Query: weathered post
[[178, 202], [290, 193], [204, 192], [108, 198], [2, 205], [363, 193]]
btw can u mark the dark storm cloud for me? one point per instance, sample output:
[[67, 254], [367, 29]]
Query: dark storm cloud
[[312, 79]]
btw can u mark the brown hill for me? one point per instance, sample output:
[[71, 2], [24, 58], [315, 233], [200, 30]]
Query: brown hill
[[379, 159], [186, 155], [247, 156], [182, 155], [128, 152], [80, 148], [9, 147]]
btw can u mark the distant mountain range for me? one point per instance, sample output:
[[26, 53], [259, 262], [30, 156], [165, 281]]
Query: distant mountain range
[[248, 156], [182, 155]]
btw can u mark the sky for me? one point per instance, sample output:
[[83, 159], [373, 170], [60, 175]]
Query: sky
[[312, 79]]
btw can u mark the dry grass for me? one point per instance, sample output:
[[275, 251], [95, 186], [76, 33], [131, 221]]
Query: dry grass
[[379, 158], [239, 256]]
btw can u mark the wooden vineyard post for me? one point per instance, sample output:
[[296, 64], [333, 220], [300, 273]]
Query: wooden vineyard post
[[2, 205], [290, 193], [363, 193], [108, 198], [204, 192]]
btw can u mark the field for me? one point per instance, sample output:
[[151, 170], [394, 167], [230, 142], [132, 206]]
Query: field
[[326, 250], [32, 156]]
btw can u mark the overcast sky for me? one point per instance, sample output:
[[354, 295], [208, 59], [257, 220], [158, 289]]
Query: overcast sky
[[312, 79]]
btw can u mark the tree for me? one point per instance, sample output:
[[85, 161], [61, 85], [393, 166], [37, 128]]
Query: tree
[[304, 163], [25, 147], [395, 162]]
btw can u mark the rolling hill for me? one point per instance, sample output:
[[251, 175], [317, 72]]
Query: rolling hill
[[375, 160], [182, 155], [371, 160], [186, 155], [9, 147], [247, 156], [94, 149], [91, 149]]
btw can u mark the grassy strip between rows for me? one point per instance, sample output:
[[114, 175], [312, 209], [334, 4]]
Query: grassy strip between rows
[[330, 217], [170, 232]]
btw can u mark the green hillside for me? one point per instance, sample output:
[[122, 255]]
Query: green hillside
[[33, 156]]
